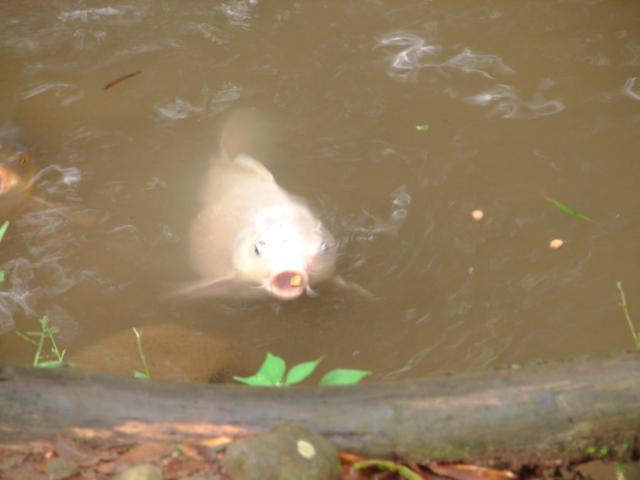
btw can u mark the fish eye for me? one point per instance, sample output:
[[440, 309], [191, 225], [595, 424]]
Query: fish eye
[[259, 246], [324, 247]]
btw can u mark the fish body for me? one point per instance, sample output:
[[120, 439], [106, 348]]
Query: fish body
[[254, 238], [16, 173]]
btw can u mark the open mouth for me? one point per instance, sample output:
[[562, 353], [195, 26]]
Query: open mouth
[[288, 285]]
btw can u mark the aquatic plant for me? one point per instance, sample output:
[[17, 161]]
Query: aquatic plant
[[3, 230], [138, 373], [272, 374], [569, 211], [625, 309], [55, 358]]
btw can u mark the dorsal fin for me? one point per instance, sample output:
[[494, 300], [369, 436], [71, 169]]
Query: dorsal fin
[[253, 165]]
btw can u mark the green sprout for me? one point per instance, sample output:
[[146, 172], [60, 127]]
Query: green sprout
[[138, 373], [625, 309], [272, 374], [55, 358]]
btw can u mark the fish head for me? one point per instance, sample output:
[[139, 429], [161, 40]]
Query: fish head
[[8, 180], [16, 171], [285, 254]]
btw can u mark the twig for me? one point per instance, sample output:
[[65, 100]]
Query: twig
[[113, 83]]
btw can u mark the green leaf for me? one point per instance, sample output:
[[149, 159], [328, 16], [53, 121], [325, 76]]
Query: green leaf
[[3, 229], [404, 472], [50, 364], [139, 374], [301, 371], [255, 381], [272, 369], [569, 211], [1, 276], [343, 376]]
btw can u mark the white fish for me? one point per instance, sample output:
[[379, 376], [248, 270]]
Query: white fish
[[254, 238]]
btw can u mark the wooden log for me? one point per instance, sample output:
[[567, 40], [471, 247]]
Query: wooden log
[[542, 414]]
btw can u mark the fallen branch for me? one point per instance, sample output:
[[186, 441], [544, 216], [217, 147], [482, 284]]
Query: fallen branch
[[543, 414]]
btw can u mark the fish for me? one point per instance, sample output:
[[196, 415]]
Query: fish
[[16, 177], [252, 238], [18, 183]]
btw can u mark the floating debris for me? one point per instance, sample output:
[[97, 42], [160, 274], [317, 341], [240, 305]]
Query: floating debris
[[556, 243], [567, 210], [477, 215], [113, 83]]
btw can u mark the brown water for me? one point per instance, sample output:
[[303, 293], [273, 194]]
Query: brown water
[[521, 99]]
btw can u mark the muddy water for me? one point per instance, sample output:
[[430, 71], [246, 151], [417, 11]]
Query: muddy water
[[514, 101]]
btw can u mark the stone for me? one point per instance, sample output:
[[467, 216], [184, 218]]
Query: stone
[[286, 452], [140, 472], [59, 468]]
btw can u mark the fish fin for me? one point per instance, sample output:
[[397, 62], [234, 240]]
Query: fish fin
[[83, 219], [253, 165], [203, 288], [342, 283]]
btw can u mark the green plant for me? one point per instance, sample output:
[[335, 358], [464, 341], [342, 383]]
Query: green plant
[[621, 471], [404, 472], [47, 332], [137, 373], [3, 230], [567, 210], [625, 309], [272, 374]]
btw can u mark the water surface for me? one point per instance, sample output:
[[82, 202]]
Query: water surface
[[515, 101]]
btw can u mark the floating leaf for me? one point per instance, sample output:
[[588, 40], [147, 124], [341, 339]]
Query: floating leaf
[[422, 128], [301, 371], [567, 210], [343, 376], [3, 229]]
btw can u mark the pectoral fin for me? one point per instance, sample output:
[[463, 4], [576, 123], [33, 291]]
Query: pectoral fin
[[342, 283], [203, 288]]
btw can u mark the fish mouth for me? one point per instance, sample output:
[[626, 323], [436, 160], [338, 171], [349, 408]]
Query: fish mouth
[[289, 284]]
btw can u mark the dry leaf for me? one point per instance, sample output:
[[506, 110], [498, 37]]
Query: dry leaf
[[470, 472]]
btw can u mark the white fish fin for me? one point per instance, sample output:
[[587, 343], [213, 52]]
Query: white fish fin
[[203, 288], [250, 163], [342, 283], [76, 217]]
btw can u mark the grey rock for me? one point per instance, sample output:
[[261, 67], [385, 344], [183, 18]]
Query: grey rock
[[59, 468], [286, 452], [140, 472]]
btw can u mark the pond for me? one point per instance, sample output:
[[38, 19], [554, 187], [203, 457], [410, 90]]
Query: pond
[[393, 122]]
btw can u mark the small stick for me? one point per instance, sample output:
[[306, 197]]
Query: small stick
[[121, 79], [625, 309]]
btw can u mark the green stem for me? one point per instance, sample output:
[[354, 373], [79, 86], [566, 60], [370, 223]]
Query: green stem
[[393, 467], [36, 357], [141, 353], [49, 331], [625, 309]]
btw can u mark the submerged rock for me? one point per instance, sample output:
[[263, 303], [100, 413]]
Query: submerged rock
[[286, 452], [173, 352]]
